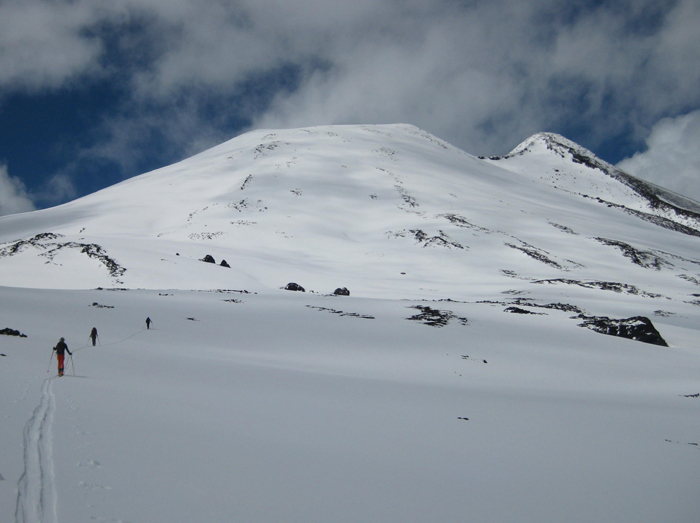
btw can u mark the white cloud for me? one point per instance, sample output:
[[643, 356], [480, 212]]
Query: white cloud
[[43, 44], [13, 195], [481, 74], [60, 188], [672, 159], [487, 76]]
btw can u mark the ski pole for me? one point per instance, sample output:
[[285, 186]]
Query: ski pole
[[50, 360], [72, 364]]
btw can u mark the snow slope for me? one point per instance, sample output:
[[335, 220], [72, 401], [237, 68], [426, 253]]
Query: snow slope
[[455, 384], [274, 409], [352, 206]]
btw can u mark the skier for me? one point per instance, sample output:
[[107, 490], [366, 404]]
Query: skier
[[60, 348], [93, 335], [148, 323]]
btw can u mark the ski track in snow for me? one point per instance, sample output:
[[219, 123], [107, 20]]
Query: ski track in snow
[[36, 489]]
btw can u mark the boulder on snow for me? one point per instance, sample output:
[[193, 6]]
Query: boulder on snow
[[518, 310], [12, 332], [341, 291], [208, 259], [95, 304], [224, 264], [435, 317], [638, 328], [294, 287]]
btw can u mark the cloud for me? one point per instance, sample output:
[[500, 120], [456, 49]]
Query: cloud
[[483, 75], [672, 158], [13, 195], [43, 45], [59, 189]]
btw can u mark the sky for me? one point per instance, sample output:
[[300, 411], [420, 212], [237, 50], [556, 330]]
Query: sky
[[96, 91]]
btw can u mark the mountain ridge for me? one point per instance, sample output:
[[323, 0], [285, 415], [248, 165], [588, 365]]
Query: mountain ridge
[[658, 197], [524, 330], [356, 206]]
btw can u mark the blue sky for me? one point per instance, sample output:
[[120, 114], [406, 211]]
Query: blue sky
[[94, 91]]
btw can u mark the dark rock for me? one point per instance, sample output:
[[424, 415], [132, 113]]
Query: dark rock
[[294, 287], [638, 328], [341, 291], [518, 310], [603, 286], [12, 332], [534, 253], [435, 317], [646, 259], [561, 307], [461, 221], [442, 240], [208, 259], [341, 313], [224, 264], [43, 241], [99, 306]]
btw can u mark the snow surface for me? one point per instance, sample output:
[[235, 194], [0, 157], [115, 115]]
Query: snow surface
[[352, 206], [256, 404]]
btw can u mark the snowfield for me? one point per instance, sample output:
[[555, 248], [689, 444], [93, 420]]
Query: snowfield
[[456, 383]]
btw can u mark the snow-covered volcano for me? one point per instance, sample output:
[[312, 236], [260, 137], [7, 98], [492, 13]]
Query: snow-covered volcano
[[465, 378], [383, 210]]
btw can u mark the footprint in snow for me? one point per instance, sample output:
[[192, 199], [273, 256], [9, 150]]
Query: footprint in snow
[[90, 464]]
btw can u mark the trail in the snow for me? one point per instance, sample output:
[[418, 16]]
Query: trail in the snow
[[36, 489], [113, 342]]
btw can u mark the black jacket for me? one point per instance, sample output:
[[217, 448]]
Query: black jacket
[[60, 347]]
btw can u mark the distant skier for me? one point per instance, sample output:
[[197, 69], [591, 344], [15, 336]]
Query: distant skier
[[93, 335], [148, 323], [60, 349]]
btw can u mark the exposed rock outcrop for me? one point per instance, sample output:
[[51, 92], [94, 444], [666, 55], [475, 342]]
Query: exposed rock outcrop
[[12, 332], [638, 328]]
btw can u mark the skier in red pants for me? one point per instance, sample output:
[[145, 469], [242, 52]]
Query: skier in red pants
[[60, 349]]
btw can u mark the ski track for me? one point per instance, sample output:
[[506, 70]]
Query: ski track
[[36, 488]]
